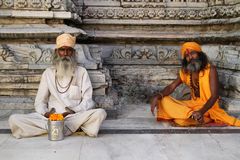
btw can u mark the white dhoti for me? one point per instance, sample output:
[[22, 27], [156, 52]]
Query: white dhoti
[[34, 124]]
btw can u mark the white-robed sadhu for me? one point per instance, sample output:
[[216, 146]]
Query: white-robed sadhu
[[61, 93]]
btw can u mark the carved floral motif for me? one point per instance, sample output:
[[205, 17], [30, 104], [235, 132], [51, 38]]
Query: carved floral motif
[[6, 54], [156, 53], [42, 55], [36, 3], [48, 3], [163, 13], [25, 54], [32, 4], [21, 3], [56, 4], [8, 3]]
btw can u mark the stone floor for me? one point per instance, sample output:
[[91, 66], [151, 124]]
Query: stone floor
[[124, 147], [131, 136]]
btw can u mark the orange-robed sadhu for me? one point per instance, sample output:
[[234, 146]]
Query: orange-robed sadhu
[[180, 111]]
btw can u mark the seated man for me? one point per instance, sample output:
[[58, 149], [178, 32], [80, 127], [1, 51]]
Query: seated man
[[201, 76], [64, 88]]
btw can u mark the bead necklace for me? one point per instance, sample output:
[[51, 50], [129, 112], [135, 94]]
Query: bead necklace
[[63, 87], [194, 87]]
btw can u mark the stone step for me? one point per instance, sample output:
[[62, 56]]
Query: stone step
[[145, 126], [137, 119]]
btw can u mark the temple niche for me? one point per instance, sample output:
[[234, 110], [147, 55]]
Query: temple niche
[[130, 47]]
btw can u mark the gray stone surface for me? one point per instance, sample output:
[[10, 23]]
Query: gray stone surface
[[35, 31], [124, 147], [138, 119]]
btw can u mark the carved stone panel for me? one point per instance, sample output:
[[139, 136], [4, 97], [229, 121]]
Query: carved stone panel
[[33, 4], [224, 56], [143, 55], [162, 13], [32, 56]]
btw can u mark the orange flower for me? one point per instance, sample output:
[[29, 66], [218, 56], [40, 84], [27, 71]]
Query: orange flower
[[56, 117]]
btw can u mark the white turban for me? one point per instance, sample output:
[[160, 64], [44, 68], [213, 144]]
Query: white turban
[[65, 40]]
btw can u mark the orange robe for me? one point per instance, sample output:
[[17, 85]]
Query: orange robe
[[180, 111]]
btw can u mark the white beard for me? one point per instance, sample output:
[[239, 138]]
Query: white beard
[[65, 67]]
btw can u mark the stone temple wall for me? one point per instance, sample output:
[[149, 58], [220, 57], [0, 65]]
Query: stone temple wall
[[130, 47], [28, 30], [140, 41]]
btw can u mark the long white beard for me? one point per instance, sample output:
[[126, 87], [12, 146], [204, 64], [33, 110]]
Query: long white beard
[[65, 67]]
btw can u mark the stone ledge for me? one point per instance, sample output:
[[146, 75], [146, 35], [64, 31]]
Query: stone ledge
[[161, 131], [161, 22], [137, 119], [170, 130], [159, 35], [35, 14], [37, 31], [182, 130]]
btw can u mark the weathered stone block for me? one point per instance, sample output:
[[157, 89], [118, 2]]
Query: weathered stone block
[[32, 14]]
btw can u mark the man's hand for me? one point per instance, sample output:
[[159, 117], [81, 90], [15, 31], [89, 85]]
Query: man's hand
[[47, 114], [154, 104], [198, 116], [68, 111]]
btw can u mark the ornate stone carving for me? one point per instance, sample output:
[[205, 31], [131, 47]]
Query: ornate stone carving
[[164, 13], [182, 14], [125, 53], [41, 55], [143, 55], [101, 13], [20, 54], [8, 3], [6, 54], [110, 13], [21, 3], [36, 3], [161, 13], [56, 4], [48, 4]]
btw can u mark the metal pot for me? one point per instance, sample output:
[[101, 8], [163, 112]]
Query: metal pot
[[55, 130]]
